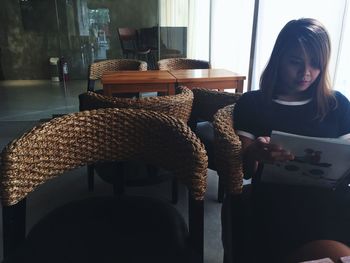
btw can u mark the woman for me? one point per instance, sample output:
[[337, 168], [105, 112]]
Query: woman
[[295, 96]]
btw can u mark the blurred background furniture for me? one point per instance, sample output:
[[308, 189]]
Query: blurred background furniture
[[178, 106], [103, 229], [182, 63], [173, 41], [175, 37], [97, 69], [206, 104], [131, 46]]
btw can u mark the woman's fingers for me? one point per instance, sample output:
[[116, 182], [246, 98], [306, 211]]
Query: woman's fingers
[[271, 152], [281, 155], [264, 139], [272, 156]]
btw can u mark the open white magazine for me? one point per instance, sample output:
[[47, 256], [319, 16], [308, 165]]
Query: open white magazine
[[320, 162]]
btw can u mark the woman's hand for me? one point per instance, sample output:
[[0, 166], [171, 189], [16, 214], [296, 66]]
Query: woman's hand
[[262, 150]]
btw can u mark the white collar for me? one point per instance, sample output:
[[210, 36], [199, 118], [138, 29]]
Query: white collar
[[292, 103]]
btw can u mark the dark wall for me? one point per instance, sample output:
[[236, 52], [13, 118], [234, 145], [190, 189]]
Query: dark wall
[[25, 44], [29, 33]]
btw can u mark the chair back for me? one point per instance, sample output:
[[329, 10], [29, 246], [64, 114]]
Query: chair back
[[178, 106], [129, 40], [74, 140], [207, 102], [97, 69], [182, 63], [149, 37], [127, 34], [87, 137]]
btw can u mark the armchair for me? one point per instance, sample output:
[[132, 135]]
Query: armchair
[[178, 106], [97, 69], [103, 229], [211, 130], [182, 63], [228, 160]]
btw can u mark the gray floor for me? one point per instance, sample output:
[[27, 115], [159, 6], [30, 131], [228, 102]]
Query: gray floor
[[23, 103]]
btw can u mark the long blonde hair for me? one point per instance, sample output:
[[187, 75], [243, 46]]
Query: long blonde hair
[[311, 36]]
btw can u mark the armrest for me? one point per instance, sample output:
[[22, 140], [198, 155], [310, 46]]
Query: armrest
[[227, 148]]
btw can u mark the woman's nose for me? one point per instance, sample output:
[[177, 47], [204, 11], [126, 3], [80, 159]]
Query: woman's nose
[[305, 70]]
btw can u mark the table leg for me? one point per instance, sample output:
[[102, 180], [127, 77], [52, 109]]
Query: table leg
[[171, 89], [239, 88]]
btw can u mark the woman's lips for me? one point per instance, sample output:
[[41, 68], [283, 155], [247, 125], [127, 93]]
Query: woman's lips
[[303, 82]]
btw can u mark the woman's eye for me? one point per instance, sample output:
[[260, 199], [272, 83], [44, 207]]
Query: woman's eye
[[295, 62], [315, 64]]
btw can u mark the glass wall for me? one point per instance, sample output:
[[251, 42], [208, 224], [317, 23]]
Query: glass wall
[[80, 32], [185, 28]]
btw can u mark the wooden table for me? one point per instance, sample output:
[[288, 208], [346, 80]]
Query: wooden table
[[165, 81], [138, 81], [209, 78]]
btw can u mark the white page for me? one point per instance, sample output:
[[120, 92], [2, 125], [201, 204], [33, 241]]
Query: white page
[[318, 161]]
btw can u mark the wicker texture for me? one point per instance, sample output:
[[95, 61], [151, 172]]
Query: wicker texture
[[178, 106], [86, 137], [182, 63], [207, 102], [227, 147], [226, 155], [98, 68]]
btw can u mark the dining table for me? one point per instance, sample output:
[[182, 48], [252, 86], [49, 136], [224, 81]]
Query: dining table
[[165, 81], [138, 81], [218, 79]]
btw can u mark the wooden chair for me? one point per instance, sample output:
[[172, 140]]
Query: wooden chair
[[178, 106], [149, 38], [131, 46], [206, 103], [103, 229], [97, 69], [182, 63]]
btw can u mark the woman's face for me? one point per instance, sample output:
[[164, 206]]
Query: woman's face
[[296, 74]]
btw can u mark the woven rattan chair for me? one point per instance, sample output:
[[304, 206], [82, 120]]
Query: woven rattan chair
[[178, 106], [103, 229], [205, 104], [227, 148], [97, 69], [182, 63], [228, 161]]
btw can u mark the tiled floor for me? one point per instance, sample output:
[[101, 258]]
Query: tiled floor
[[33, 100], [23, 103]]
